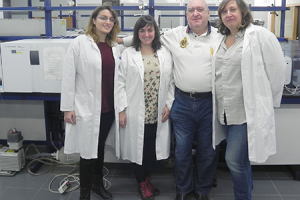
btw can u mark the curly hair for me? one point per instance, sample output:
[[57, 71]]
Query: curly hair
[[91, 29], [246, 16], [141, 23]]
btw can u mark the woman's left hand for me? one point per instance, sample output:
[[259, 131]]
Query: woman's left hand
[[165, 114], [122, 119]]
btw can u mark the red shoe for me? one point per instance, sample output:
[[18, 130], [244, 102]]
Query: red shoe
[[146, 194], [151, 187]]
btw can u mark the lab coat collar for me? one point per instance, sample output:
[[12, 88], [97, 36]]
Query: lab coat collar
[[249, 31], [137, 58]]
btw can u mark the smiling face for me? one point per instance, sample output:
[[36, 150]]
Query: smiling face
[[232, 16], [147, 35], [197, 14], [104, 23]]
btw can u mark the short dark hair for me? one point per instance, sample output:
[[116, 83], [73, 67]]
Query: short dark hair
[[246, 16], [141, 23]]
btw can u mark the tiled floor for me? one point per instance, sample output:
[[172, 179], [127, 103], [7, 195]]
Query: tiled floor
[[270, 183]]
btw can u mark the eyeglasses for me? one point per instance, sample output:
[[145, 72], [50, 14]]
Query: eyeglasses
[[104, 18], [192, 10]]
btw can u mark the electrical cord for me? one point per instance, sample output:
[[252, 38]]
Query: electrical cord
[[293, 91], [106, 183], [75, 179], [71, 177], [49, 160], [46, 160], [32, 145], [52, 141]]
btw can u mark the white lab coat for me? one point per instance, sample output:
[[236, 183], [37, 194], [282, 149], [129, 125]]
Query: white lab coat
[[81, 92], [262, 70], [131, 97]]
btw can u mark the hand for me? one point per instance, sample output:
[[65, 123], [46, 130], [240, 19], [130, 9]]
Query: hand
[[165, 114], [69, 117], [122, 119], [120, 41]]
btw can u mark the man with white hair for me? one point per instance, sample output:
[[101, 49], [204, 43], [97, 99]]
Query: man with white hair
[[192, 110]]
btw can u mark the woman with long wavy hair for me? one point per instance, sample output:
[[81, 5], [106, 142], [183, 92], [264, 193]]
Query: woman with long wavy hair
[[89, 97]]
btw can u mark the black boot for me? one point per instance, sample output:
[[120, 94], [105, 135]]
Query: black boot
[[85, 193], [215, 182], [98, 188]]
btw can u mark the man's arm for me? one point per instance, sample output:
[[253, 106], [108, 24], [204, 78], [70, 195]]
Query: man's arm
[[125, 40]]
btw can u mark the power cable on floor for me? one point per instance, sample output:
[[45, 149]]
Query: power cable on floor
[[293, 91], [71, 178]]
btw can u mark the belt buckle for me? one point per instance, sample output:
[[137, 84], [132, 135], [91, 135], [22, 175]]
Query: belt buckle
[[191, 94]]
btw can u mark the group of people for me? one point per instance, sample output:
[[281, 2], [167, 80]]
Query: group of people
[[213, 83]]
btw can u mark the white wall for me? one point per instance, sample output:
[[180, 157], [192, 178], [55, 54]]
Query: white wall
[[262, 15], [1, 5], [288, 2], [95, 2]]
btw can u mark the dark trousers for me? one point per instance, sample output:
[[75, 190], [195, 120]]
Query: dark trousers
[[89, 167], [149, 154]]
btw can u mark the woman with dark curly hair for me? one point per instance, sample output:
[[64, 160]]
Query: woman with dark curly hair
[[146, 92]]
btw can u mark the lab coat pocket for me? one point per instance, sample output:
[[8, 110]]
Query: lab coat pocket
[[259, 65], [134, 70], [265, 112], [81, 105]]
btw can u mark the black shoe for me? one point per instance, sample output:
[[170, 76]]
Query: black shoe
[[100, 191], [215, 182], [98, 188], [85, 193], [182, 196], [201, 197]]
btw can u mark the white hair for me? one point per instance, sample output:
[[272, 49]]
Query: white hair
[[206, 6]]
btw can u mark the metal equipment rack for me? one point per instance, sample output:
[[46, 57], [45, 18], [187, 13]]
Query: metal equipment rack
[[47, 8]]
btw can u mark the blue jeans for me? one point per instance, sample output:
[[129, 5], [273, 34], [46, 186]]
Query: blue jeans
[[192, 119], [238, 161]]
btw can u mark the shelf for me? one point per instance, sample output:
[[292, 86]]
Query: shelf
[[47, 8]]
